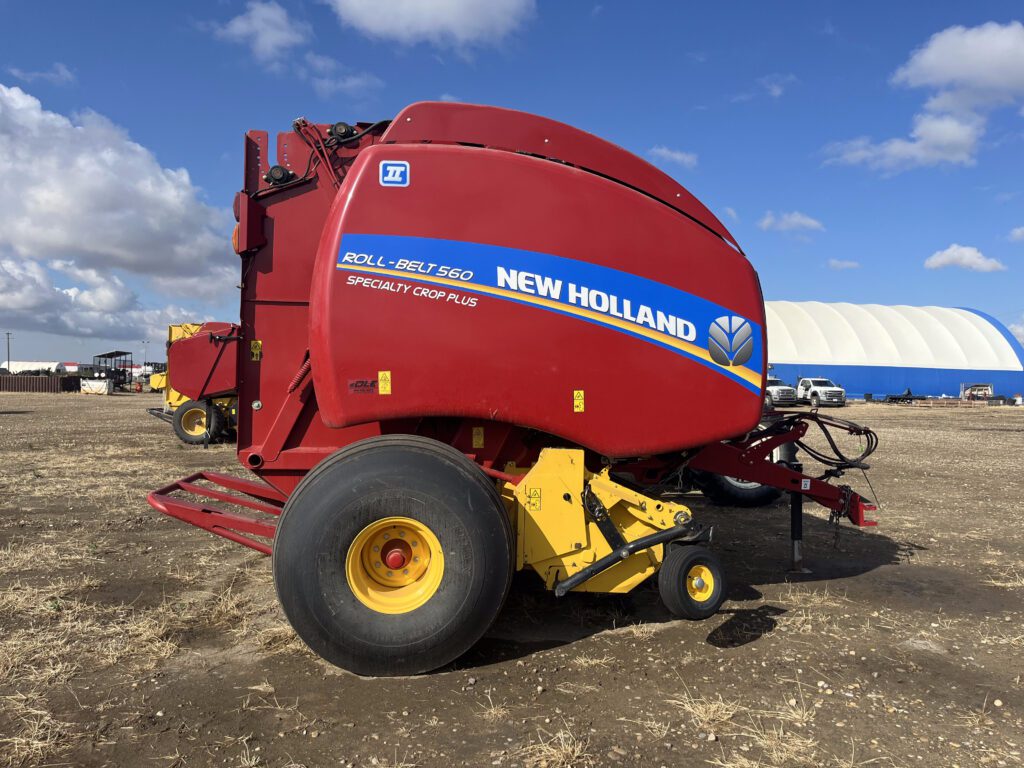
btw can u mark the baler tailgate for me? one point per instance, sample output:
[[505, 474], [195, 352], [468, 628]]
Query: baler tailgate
[[237, 527]]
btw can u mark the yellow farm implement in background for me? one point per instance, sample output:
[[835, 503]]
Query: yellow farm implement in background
[[195, 422]]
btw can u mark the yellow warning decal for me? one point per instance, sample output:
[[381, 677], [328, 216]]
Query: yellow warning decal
[[256, 350], [478, 437], [533, 499], [577, 401], [384, 382]]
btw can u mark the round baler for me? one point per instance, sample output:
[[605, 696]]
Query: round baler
[[474, 341]]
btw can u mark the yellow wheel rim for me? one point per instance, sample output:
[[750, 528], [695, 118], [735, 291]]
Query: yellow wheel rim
[[700, 583], [194, 421], [394, 565]]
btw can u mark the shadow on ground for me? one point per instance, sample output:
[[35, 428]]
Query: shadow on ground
[[754, 546]]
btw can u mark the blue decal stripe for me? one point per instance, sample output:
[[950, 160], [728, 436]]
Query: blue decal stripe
[[417, 259]]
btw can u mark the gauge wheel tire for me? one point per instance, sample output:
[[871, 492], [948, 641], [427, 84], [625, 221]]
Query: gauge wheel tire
[[731, 492], [691, 582], [194, 418], [333, 568]]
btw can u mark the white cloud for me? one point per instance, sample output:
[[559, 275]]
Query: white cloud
[[965, 257], [266, 28], [58, 74], [843, 264], [731, 213], [1017, 234], [330, 77], [1017, 329], [458, 23], [82, 207], [85, 192], [971, 71], [450, 97], [30, 301], [987, 59], [665, 154], [789, 222], [935, 139], [776, 84]]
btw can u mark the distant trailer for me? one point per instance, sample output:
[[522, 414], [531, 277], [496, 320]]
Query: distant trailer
[[50, 384]]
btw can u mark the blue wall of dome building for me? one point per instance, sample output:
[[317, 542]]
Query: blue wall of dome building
[[880, 350]]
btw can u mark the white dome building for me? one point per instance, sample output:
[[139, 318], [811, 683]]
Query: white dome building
[[880, 350]]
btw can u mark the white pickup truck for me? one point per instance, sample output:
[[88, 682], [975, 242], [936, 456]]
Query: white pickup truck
[[819, 392], [777, 392]]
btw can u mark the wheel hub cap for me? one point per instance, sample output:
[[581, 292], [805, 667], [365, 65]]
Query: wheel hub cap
[[700, 583], [394, 565]]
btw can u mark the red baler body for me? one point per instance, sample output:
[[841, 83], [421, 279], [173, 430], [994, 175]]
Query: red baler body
[[526, 278]]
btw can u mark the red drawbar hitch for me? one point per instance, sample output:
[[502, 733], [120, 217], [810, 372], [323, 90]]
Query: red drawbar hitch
[[748, 460]]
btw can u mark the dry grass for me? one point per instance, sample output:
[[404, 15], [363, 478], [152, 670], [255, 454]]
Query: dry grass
[[576, 689], [706, 714], [779, 747], [56, 634], [642, 631], [35, 734], [736, 760], [491, 712], [807, 598], [587, 661], [976, 718], [795, 709], [841, 761], [390, 762], [562, 749], [656, 729], [42, 553], [1011, 578]]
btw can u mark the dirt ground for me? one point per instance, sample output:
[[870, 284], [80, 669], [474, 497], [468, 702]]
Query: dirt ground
[[130, 639]]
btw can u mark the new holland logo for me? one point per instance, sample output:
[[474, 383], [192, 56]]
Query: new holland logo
[[730, 340]]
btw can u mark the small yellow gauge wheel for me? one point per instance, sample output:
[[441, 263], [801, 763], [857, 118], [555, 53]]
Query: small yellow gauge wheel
[[691, 582], [394, 565]]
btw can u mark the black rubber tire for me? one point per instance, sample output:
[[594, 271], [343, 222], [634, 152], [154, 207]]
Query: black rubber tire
[[393, 475], [724, 492], [672, 582], [215, 422], [769, 401], [815, 401]]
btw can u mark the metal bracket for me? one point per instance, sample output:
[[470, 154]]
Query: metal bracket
[[691, 533]]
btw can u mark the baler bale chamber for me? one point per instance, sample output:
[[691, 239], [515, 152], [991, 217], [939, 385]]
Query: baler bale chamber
[[474, 341]]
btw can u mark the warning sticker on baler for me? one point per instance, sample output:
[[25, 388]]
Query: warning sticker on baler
[[448, 270], [578, 402]]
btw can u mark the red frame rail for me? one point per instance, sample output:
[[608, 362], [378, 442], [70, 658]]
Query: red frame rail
[[240, 528]]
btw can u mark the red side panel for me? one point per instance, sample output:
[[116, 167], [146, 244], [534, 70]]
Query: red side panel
[[426, 301], [205, 364], [510, 130]]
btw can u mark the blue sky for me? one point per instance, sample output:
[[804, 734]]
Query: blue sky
[[120, 150]]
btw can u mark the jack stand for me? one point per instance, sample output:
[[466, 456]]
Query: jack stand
[[796, 527]]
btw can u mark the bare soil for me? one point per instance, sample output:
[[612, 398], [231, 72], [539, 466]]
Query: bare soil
[[127, 638]]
